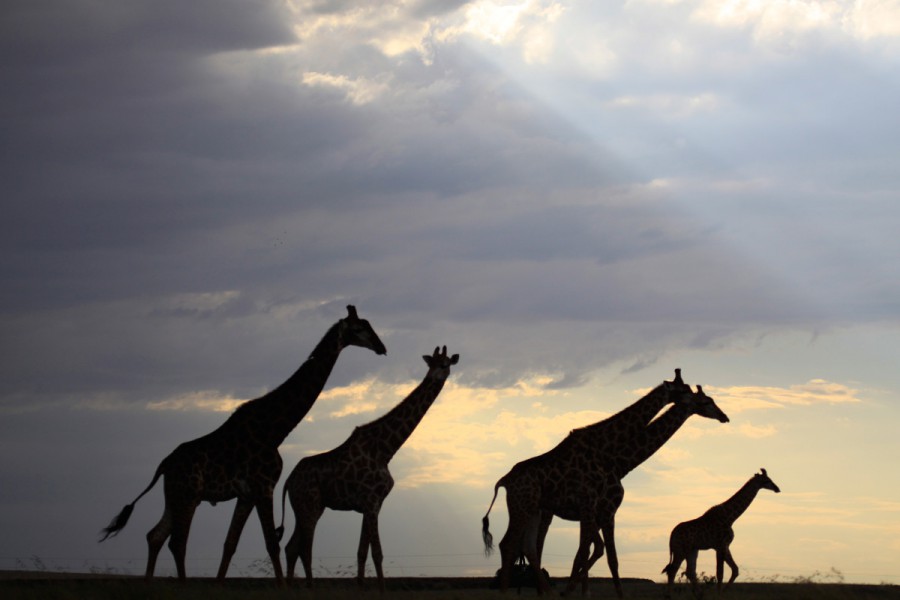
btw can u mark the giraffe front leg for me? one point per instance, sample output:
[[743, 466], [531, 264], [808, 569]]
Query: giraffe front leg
[[267, 520], [579, 564], [371, 524], [242, 510], [543, 528], [595, 556], [362, 553], [720, 570], [733, 565], [612, 556]]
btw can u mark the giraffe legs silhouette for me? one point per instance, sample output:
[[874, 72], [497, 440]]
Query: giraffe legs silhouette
[[267, 520], [307, 513], [521, 538], [612, 557], [723, 555], [242, 511], [182, 515], [369, 536], [156, 537]]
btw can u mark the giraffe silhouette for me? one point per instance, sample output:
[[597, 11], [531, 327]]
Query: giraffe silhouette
[[240, 459], [579, 479], [355, 476], [611, 493], [713, 530]]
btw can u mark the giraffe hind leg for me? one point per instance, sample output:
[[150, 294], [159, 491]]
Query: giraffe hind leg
[[181, 526], [671, 571], [529, 549], [510, 550], [692, 571], [156, 538]]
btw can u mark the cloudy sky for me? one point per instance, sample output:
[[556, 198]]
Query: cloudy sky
[[576, 197]]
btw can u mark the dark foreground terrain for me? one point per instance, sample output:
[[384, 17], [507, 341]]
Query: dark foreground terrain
[[58, 586]]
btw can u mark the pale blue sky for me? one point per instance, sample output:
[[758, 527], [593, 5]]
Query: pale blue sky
[[577, 197]]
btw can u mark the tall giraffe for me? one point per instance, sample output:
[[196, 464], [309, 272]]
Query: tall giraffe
[[355, 476], [578, 480], [713, 530], [615, 440], [240, 459], [609, 495]]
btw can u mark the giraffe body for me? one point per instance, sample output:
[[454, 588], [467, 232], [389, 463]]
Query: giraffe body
[[355, 476], [713, 531], [580, 479], [240, 459]]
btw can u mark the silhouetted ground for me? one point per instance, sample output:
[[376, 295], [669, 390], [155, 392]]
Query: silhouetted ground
[[28, 585]]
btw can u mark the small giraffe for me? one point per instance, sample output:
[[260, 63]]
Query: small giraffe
[[240, 459], [579, 480], [714, 531], [355, 476]]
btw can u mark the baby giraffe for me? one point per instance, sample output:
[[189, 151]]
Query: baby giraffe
[[354, 476], [713, 531]]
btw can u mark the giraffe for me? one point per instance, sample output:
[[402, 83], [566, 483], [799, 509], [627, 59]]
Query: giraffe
[[580, 479], [240, 459], [655, 436], [355, 476], [713, 530]]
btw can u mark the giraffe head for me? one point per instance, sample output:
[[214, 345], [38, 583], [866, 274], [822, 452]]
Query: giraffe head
[[354, 331], [764, 483], [703, 405], [439, 363]]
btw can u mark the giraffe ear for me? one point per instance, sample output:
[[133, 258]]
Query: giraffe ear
[[351, 312], [454, 359], [764, 473]]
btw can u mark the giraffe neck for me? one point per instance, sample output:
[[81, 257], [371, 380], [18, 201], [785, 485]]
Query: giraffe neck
[[385, 435], [272, 417], [651, 439], [604, 438], [642, 412], [734, 507]]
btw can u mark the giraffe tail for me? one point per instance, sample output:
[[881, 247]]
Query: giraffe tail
[[485, 523], [121, 519]]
